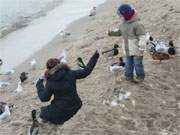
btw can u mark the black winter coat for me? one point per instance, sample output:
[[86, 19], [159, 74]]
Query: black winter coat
[[62, 85]]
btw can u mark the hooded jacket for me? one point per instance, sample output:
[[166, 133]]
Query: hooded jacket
[[133, 33], [61, 83]]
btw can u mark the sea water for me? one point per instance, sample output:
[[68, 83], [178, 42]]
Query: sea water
[[19, 45]]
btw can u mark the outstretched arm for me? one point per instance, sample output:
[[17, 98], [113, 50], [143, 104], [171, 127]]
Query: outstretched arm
[[82, 73], [43, 93]]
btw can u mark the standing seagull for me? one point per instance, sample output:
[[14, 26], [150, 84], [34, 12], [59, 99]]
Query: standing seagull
[[62, 57], [33, 64], [64, 34], [19, 88], [93, 12], [4, 84], [1, 62], [117, 69], [8, 73], [5, 114]]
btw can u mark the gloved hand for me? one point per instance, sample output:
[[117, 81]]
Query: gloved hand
[[97, 53]]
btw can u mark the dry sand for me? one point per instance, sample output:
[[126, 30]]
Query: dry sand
[[156, 99]]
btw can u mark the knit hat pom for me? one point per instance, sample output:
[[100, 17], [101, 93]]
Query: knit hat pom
[[126, 11]]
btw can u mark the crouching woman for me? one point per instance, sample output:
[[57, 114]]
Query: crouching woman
[[61, 83]]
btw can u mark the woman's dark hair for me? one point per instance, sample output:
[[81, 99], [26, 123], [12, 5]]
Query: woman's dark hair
[[52, 62], [55, 65]]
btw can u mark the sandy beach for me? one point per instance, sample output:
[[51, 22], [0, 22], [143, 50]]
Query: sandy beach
[[154, 110]]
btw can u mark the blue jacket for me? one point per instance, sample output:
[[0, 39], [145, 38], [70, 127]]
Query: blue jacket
[[62, 85]]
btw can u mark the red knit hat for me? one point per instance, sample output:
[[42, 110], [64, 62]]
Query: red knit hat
[[126, 11]]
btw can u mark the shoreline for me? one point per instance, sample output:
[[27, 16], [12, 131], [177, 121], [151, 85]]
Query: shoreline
[[75, 25], [155, 110], [40, 33]]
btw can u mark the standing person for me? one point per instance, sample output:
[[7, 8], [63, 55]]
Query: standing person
[[134, 38], [61, 83]]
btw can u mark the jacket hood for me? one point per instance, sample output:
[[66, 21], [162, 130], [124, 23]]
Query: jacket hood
[[57, 73]]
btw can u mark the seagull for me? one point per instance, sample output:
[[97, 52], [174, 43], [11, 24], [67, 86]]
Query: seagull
[[1, 62], [5, 114], [161, 47], [93, 12], [114, 103], [64, 34], [8, 73], [33, 64], [4, 84], [23, 76], [19, 88], [62, 57], [117, 69], [127, 95], [133, 102]]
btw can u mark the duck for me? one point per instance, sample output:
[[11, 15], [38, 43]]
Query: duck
[[160, 46], [23, 76], [93, 12], [33, 64], [118, 66], [171, 49], [159, 55], [111, 52], [19, 88]]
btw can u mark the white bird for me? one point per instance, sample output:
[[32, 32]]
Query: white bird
[[4, 84], [106, 102], [1, 62], [62, 57], [33, 64], [93, 12], [124, 95], [8, 73], [117, 70], [6, 113], [133, 102], [19, 88], [64, 34], [127, 95], [114, 103], [179, 105], [148, 36], [161, 47]]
